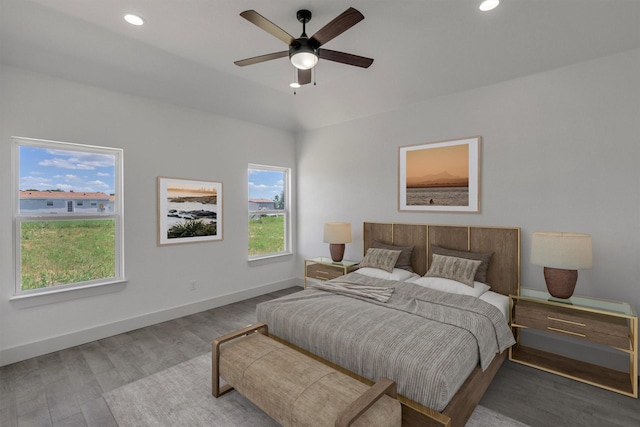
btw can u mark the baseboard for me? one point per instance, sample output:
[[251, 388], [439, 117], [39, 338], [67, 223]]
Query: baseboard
[[60, 342]]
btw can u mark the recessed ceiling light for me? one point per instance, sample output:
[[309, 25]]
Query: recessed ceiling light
[[133, 19], [294, 85], [488, 5]]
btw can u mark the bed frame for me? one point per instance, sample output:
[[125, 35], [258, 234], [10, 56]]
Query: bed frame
[[503, 275]]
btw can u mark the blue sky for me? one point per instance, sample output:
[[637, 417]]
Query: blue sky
[[51, 169], [265, 184]]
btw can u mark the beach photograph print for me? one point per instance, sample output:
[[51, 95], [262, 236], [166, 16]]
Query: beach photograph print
[[440, 176], [189, 211]]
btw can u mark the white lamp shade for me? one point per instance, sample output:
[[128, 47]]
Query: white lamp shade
[[487, 5], [337, 232], [568, 251], [304, 60]]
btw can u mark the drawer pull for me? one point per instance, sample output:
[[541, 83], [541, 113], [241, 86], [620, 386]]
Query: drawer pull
[[566, 332], [566, 321]]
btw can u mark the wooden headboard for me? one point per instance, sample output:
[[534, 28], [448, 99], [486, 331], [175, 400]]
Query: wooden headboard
[[504, 269]]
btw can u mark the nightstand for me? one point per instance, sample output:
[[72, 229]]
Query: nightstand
[[608, 323], [323, 268]]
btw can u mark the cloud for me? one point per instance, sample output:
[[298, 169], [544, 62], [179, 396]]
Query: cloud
[[98, 183], [35, 182], [258, 186], [65, 164], [76, 160]]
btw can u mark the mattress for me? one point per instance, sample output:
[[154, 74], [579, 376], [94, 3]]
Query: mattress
[[426, 340]]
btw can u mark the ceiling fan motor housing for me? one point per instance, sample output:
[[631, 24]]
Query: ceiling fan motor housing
[[303, 16]]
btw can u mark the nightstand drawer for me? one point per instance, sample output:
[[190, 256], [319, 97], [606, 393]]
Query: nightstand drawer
[[594, 327], [324, 272]]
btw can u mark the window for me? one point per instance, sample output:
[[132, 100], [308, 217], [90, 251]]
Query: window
[[62, 239], [269, 202]]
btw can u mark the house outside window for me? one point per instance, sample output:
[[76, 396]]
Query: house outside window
[[269, 206], [62, 240]]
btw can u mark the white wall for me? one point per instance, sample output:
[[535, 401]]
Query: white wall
[[158, 140], [560, 152]]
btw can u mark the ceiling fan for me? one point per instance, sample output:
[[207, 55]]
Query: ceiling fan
[[304, 52]]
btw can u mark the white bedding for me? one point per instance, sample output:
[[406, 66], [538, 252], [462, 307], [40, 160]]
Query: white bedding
[[498, 300]]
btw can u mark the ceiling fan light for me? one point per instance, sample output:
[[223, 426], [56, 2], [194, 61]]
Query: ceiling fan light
[[488, 5], [304, 60]]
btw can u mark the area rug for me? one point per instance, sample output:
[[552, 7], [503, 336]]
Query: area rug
[[181, 396]]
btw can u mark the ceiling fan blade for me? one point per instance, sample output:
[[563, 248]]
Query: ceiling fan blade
[[304, 77], [261, 58], [339, 25], [268, 26], [345, 58]]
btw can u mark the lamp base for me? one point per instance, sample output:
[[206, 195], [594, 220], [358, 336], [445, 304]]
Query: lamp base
[[337, 251], [560, 283]]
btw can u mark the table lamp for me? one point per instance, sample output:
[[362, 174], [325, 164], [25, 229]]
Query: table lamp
[[337, 234], [561, 255]]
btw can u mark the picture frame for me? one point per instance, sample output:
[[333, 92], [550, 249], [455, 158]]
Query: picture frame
[[442, 176], [189, 210]]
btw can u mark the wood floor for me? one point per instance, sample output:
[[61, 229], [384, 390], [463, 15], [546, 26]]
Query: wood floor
[[65, 388]]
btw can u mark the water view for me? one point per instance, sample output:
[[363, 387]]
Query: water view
[[438, 196]]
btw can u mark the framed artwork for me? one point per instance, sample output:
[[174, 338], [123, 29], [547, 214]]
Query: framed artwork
[[189, 211], [440, 176]]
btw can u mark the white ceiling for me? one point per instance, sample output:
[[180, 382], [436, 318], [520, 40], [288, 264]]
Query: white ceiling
[[422, 49]]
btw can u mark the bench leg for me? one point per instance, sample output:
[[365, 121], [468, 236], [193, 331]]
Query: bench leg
[[216, 390], [359, 406]]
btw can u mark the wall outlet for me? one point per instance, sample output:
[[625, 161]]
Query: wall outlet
[[193, 285]]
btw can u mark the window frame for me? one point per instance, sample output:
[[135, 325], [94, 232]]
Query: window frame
[[286, 209], [19, 217]]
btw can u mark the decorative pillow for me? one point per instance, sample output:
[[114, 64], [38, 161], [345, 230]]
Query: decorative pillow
[[481, 274], [404, 260], [383, 259], [459, 269], [397, 273], [451, 286]]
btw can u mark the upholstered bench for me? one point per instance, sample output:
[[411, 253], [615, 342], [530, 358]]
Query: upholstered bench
[[294, 389]]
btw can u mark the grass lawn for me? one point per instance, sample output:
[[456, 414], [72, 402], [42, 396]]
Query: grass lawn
[[266, 235], [61, 252]]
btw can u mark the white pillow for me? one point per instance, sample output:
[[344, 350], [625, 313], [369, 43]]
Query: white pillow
[[396, 274], [451, 286]]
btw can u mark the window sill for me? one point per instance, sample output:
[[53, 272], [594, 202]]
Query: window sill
[[66, 294], [267, 259]]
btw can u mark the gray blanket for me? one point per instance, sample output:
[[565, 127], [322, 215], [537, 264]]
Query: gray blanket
[[426, 340], [378, 293]]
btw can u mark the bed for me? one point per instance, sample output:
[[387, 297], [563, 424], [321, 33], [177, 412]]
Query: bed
[[443, 349]]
